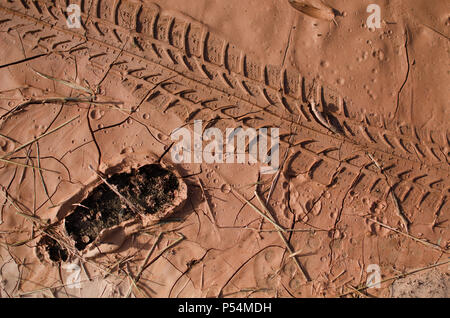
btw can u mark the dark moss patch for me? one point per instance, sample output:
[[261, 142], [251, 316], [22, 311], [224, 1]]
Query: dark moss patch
[[150, 188], [55, 251]]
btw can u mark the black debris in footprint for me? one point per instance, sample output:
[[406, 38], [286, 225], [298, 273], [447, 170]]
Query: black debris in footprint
[[56, 253], [150, 188]]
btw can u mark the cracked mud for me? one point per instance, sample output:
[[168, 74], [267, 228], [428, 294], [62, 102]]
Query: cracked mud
[[364, 143]]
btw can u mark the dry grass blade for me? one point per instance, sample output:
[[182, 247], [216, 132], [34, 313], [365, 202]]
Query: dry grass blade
[[356, 291], [141, 270], [248, 290], [267, 212], [399, 210], [312, 231], [18, 210], [211, 215], [20, 243], [182, 237], [286, 243], [132, 281], [241, 197], [116, 265], [46, 100], [67, 83], [277, 176], [315, 9], [51, 288], [296, 253], [435, 246], [50, 100], [27, 166], [41, 175], [39, 137], [338, 275], [145, 266]]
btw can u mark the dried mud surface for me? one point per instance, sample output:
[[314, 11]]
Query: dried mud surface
[[372, 189]]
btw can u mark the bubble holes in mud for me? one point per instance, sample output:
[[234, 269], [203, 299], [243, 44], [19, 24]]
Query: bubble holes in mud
[[151, 188]]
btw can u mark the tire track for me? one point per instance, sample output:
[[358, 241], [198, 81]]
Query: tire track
[[241, 92]]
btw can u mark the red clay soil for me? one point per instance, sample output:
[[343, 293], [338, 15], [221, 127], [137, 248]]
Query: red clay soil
[[363, 117]]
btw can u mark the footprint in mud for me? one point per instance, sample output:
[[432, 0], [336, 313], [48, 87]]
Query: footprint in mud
[[152, 189]]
